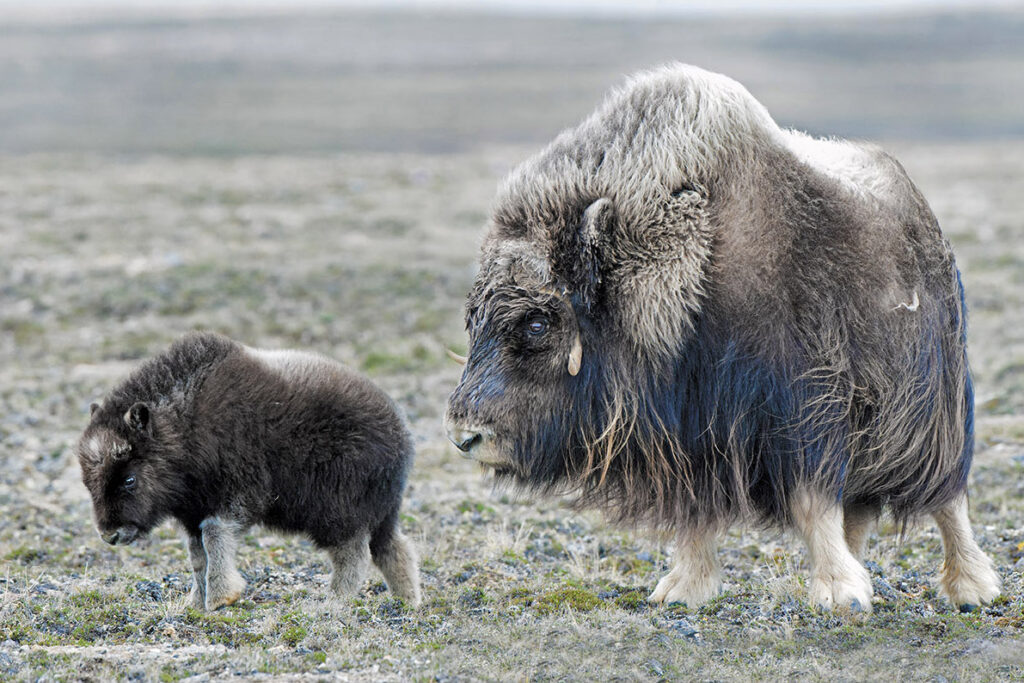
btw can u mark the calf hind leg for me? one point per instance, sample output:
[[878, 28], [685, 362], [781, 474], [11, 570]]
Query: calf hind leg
[[968, 577], [350, 559], [396, 558]]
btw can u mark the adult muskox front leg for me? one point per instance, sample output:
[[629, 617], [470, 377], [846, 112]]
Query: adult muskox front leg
[[838, 580], [696, 576], [224, 585], [968, 577]]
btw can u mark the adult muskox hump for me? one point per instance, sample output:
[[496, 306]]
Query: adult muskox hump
[[686, 316]]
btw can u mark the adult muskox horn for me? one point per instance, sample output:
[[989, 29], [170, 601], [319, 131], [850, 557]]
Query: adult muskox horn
[[461, 360], [575, 356]]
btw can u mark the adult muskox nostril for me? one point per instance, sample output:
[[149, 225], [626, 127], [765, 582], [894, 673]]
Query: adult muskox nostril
[[110, 538], [465, 442]]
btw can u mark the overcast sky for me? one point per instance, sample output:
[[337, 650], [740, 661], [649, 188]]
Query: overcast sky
[[589, 7]]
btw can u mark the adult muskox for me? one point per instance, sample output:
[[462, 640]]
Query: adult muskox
[[688, 316]]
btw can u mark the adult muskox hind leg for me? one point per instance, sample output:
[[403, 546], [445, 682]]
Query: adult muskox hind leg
[[837, 578], [968, 577], [857, 524], [696, 576], [396, 558]]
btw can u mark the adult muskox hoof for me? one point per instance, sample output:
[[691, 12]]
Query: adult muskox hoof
[[970, 588], [689, 589], [851, 591]]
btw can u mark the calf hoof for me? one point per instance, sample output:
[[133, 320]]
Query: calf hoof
[[689, 590], [222, 593], [196, 599], [849, 592]]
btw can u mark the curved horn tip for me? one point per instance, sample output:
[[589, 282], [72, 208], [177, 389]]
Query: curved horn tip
[[461, 360]]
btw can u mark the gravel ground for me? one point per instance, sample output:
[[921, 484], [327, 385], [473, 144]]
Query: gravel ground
[[367, 259]]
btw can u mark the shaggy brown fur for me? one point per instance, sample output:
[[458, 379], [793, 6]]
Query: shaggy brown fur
[[770, 325], [220, 436]]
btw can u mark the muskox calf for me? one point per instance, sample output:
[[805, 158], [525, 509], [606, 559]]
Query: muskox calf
[[689, 316], [220, 436]]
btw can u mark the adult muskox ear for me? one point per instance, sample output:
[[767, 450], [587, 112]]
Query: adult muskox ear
[[137, 417], [579, 259], [93, 407]]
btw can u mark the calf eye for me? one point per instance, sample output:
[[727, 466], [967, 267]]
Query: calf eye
[[129, 483], [535, 327]]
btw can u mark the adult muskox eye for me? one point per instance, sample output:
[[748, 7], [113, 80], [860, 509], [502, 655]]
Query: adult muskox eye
[[535, 327], [129, 483]]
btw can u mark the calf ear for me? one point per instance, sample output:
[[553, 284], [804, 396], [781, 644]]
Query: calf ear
[[137, 417], [579, 258]]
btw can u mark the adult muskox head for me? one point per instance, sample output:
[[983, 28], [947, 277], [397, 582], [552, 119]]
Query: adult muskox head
[[122, 457], [591, 277]]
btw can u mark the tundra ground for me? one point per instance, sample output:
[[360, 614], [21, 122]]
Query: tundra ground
[[367, 259]]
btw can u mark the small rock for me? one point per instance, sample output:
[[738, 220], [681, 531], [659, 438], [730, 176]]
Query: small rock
[[885, 589], [149, 589], [656, 668], [874, 568], [684, 628]]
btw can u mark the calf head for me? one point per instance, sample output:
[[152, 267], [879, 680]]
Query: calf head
[[121, 469]]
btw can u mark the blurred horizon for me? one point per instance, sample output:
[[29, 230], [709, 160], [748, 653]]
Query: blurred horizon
[[433, 77]]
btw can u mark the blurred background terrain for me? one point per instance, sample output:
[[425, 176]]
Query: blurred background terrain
[[319, 177]]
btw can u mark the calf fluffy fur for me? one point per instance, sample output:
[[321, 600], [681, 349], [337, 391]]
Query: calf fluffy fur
[[220, 436]]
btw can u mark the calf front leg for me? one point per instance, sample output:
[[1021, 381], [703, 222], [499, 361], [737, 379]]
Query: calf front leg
[[197, 560], [224, 585], [696, 576]]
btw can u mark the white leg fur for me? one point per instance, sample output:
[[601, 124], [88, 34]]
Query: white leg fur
[[197, 560], [857, 525], [350, 560], [838, 580], [968, 577], [696, 576], [399, 564], [224, 585]]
